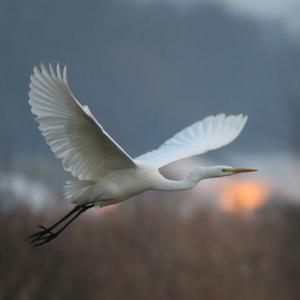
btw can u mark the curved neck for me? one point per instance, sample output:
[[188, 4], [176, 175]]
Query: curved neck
[[172, 185], [188, 183]]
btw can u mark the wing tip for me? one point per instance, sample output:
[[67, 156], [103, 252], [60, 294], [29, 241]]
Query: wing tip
[[50, 70]]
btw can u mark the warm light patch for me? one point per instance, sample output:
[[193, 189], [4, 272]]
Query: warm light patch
[[105, 209], [109, 208], [244, 195]]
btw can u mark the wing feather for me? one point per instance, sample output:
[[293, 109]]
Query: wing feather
[[211, 133], [72, 132]]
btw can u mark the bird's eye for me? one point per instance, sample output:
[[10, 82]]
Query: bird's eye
[[225, 170]]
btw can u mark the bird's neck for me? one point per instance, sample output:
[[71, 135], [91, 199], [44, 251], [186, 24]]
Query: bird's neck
[[188, 183]]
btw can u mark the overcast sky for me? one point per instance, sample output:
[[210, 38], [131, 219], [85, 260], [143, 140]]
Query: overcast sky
[[148, 68], [284, 11]]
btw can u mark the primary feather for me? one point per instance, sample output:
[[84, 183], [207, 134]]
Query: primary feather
[[211, 133], [72, 132]]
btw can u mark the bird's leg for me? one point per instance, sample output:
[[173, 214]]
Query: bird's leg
[[41, 232], [46, 235]]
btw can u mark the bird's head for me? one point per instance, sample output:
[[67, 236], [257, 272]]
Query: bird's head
[[220, 171], [216, 171]]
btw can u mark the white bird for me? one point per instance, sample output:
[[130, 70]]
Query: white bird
[[106, 173]]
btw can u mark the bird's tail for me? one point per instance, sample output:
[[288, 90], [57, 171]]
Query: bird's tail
[[77, 191]]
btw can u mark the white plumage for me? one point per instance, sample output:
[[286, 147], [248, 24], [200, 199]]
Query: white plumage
[[106, 173], [211, 133], [71, 130]]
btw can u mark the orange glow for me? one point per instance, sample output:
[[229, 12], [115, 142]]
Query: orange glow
[[108, 208], [105, 209], [244, 195]]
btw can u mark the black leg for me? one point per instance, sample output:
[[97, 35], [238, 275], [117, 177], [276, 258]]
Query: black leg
[[75, 209], [46, 234]]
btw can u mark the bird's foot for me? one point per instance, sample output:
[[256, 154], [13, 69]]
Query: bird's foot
[[42, 236]]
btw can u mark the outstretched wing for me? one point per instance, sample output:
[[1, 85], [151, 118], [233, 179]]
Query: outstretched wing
[[211, 133], [72, 132]]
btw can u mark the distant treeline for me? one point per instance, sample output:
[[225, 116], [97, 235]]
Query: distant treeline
[[149, 252]]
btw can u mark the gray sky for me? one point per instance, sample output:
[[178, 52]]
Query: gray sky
[[285, 12], [148, 68]]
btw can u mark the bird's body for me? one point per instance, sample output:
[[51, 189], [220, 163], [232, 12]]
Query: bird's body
[[119, 185], [105, 173], [122, 184]]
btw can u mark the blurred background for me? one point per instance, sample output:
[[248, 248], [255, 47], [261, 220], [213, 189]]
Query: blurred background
[[148, 68]]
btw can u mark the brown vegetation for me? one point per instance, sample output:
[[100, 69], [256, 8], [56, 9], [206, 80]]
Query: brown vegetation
[[153, 252]]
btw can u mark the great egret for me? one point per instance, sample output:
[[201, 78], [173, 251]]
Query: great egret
[[106, 173]]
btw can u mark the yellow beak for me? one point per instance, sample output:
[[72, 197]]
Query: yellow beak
[[243, 170]]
